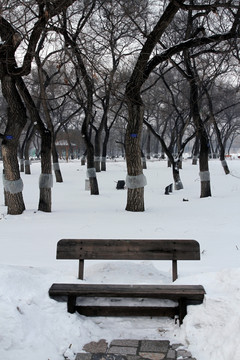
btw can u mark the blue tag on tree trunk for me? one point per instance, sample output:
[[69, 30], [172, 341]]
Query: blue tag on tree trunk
[[9, 137], [133, 135]]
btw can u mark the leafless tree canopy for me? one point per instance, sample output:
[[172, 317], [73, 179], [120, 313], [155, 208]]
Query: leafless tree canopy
[[118, 77]]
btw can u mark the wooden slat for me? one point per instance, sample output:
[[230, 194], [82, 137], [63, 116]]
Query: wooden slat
[[172, 292], [81, 269], [174, 270], [128, 249], [127, 311]]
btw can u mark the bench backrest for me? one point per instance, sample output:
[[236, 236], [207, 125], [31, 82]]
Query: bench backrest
[[102, 249], [128, 249]]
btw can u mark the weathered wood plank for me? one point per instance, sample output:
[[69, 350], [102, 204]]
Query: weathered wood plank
[[183, 294], [127, 311], [128, 249], [172, 292]]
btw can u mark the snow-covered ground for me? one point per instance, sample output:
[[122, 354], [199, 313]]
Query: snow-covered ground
[[33, 326]]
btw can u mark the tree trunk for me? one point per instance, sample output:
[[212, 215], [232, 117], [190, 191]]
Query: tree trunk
[[195, 151], [225, 166], [12, 181], [180, 163], [194, 160], [97, 152], [148, 144], [91, 171], [218, 133], [172, 162], [144, 162], [97, 163], [176, 176], [135, 200], [104, 156], [203, 165], [21, 158], [83, 160], [4, 191], [56, 167], [27, 165], [24, 154], [104, 149], [135, 197], [15, 203], [156, 147], [200, 129], [222, 157], [45, 180], [21, 164], [27, 162], [103, 164], [16, 121]]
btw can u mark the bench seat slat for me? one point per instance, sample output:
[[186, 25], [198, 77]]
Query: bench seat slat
[[172, 292]]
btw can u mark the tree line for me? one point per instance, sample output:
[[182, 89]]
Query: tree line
[[142, 69]]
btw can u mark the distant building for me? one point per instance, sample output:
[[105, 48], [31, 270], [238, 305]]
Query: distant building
[[65, 149]]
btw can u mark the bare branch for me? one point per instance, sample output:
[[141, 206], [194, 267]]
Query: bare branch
[[185, 45]]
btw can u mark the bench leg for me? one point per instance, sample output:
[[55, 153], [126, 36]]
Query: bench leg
[[81, 269], [182, 310], [174, 270], [71, 304]]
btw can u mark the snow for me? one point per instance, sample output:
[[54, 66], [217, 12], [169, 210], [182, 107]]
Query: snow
[[33, 326]]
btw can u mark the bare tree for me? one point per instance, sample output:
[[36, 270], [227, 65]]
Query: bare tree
[[84, 72], [144, 66], [25, 163], [16, 30]]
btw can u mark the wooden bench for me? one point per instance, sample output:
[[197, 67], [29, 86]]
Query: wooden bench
[[173, 250]]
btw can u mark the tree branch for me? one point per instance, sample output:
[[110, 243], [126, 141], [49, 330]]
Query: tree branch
[[210, 7], [190, 43], [52, 9]]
